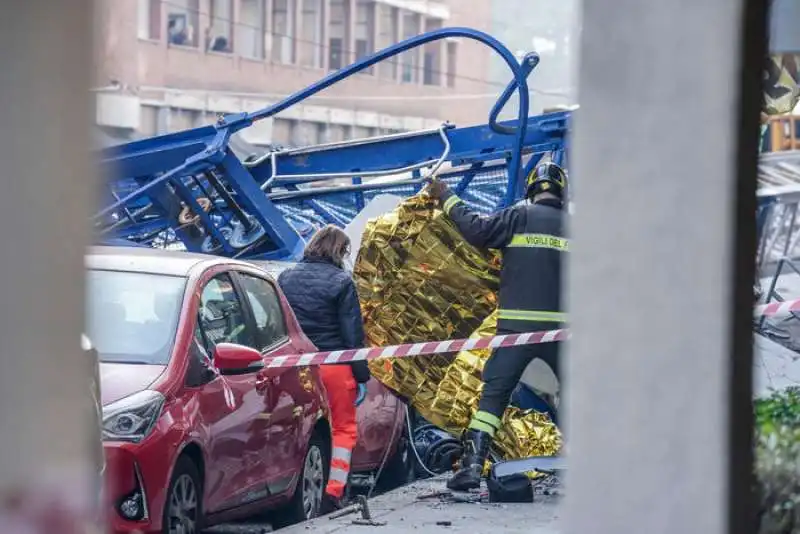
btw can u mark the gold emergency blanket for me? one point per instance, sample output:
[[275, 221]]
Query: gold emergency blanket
[[782, 84], [418, 280]]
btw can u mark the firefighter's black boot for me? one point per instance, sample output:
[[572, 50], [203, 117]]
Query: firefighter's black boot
[[476, 449]]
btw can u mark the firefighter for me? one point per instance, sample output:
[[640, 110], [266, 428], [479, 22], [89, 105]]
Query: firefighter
[[532, 240], [323, 296]]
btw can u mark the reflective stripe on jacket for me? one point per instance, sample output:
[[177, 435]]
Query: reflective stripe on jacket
[[532, 240]]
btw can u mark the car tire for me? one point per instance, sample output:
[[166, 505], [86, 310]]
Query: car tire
[[306, 501], [183, 510], [401, 467]]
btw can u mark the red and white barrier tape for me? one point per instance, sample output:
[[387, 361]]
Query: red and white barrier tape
[[777, 308], [417, 349], [457, 345]]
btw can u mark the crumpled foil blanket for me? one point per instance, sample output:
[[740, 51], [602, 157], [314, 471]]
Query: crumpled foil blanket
[[418, 280], [781, 84]]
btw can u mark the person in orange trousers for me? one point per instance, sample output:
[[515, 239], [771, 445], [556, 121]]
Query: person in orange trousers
[[343, 397], [323, 296]]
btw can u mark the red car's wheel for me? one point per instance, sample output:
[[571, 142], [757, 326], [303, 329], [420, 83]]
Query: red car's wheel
[[306, 502], [183, 512]]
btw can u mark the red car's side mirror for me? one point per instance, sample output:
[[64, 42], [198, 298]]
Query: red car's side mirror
[[233, 359]]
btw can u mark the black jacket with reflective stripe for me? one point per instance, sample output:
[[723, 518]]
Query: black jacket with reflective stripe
[[532, 241]]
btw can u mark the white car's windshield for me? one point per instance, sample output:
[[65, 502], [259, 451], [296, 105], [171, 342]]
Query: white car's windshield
[[133, 316]]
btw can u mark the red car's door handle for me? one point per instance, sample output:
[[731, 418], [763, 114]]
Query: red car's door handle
[[262, 382]]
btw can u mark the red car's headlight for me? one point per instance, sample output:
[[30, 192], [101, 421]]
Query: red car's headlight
[[132, 418]]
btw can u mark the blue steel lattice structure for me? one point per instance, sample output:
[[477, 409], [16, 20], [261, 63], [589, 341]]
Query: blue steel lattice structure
[[190, 189]]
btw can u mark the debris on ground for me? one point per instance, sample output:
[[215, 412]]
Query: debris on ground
[[424, 506]]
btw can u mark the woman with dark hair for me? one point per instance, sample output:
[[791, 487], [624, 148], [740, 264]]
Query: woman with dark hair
[[324, 299]]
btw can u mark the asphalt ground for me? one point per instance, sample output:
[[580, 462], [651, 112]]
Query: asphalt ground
[[260, 525], [413, 508]]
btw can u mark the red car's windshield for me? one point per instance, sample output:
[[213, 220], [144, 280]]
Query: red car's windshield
[[133, 316]]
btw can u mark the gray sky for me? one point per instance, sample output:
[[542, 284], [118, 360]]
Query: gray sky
[[549, 27]]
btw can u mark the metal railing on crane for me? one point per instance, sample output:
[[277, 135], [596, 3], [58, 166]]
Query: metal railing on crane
[[190, 189]]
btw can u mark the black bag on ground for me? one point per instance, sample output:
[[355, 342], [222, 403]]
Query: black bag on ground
[[516, 488]]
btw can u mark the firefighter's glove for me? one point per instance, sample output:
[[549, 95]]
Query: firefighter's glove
[[437, 189], [361, 394]]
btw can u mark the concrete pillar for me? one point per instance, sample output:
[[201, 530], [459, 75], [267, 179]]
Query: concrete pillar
[[419, 53], [324, 47], [661, 268], [349, 52], [203, 30], [397, 61], [268, 30], [441, 63], [163, 120], [163, 12], [375, 36], [297, 21], [235, 25], [376, 27], [49, 435]]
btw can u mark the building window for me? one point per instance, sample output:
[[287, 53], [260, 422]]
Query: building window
[[204, 119], [149, 14], [336, 53], [283, 14], [361, 132], [335, 133], [148, 121], [323, 133], [362, 49], [337, 34], [182, 21], [432, 53], [282, 132], [409, 62], [182, 119], [251, 29], [219, 35], [310, 45], [388, 19], [305, 133], [365, 30], [452, 60], [428, 69]]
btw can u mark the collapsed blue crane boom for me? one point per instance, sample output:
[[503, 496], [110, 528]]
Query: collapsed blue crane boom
[[190, 189]]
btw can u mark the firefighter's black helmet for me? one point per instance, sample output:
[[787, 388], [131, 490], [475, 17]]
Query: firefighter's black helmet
[[547, 178]]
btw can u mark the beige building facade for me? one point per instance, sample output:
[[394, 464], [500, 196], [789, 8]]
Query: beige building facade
[[166, 65]]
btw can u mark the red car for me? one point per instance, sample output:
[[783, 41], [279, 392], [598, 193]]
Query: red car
[[196, 430]]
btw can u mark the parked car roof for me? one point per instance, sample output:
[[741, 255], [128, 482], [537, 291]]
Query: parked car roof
[[148, 260], [274, 268]]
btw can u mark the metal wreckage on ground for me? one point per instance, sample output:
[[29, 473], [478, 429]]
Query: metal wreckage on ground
[[204, 190]]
